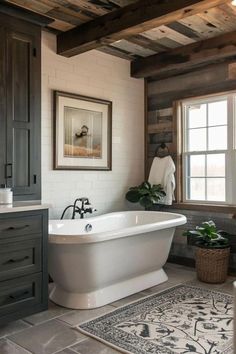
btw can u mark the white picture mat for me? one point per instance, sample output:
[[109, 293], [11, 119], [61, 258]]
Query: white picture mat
[[60, 128]]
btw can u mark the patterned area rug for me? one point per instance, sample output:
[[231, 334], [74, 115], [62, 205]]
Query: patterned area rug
[[181, 320]]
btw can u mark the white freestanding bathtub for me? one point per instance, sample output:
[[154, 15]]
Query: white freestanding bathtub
[[123, 254]]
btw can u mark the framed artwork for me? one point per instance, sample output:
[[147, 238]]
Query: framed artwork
[[82, 132]]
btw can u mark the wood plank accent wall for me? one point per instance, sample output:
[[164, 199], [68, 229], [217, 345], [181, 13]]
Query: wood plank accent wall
[[161, 97]]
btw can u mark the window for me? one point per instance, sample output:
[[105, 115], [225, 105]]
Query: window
[[209, 158]]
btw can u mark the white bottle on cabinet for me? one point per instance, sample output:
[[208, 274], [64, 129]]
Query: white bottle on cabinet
[[6, 195]]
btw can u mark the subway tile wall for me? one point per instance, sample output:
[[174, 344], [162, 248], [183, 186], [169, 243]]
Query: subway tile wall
[[102, 76]]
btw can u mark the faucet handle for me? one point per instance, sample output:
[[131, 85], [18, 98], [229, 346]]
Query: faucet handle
[[92, 210], [84, 200]]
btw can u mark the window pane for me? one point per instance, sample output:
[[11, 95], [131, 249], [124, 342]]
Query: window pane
[[197, 140], [197, 188], [217, 138], [197, 116], [216, 189], [216, 165], [197, 165], [217, 113]]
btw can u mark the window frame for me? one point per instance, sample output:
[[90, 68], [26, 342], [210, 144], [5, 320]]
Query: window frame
[[230, 152]]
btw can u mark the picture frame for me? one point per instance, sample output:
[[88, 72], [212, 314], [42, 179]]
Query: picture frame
[[82, 132]]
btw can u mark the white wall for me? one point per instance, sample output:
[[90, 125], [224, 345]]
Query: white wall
[[103, 76]]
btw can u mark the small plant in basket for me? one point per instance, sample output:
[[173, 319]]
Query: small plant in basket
[[212, 253]]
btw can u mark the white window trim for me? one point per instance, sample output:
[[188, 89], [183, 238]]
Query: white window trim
[[230, 153]]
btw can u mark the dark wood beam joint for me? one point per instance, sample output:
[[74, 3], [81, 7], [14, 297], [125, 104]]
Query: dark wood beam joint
[[24, 14]]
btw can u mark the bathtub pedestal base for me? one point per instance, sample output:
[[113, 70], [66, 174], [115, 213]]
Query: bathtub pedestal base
[[108, 294]]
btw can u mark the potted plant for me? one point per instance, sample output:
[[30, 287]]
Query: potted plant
[[145, 194], [212, 253]]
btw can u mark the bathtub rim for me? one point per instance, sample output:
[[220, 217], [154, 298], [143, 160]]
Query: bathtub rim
[[116, 234]]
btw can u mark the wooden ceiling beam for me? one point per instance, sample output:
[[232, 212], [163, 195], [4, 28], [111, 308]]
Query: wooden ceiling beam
[[128, 21], [185, 58]]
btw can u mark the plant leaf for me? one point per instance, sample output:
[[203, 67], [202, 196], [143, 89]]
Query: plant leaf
[[133, 196], [208, 236], [145, 202]]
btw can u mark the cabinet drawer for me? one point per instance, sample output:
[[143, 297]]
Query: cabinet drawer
[[20, 258], [19, 294], [22, 225]]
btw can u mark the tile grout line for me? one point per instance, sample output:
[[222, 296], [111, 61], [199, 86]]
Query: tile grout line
[[70, 347], [19, 346], [27, 322], [51, 318], [16, 332]]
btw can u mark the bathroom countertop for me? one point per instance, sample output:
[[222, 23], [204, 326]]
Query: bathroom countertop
[[23, 206]]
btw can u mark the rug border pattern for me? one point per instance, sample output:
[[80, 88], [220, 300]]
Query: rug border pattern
[[121, 312]]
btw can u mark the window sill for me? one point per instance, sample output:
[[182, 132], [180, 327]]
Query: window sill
[[224, 209]]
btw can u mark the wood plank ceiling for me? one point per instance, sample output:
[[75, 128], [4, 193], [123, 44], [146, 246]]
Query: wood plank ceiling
[[68, 14]]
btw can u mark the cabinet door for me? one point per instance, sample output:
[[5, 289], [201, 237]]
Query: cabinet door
[[20, 258], [20, 294], [2, 107], [23, 114]]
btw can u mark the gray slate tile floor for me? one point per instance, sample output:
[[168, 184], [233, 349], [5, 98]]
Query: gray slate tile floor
[[52, 332]]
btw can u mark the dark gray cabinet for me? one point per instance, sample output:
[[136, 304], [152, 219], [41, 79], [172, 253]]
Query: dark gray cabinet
[[20, 102], [23, 264]]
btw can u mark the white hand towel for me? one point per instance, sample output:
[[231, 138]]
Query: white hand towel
[[162, 172]]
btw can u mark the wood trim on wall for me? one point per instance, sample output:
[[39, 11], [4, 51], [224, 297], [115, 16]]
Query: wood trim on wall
[[145, 129], [177, 126], [225, 209]]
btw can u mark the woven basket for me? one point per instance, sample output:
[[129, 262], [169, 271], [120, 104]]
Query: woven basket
[[212, 264]]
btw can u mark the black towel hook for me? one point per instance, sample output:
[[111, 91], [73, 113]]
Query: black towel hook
[[162, 150]]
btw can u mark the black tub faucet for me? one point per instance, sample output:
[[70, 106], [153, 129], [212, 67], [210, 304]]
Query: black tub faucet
[[84, 208]]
